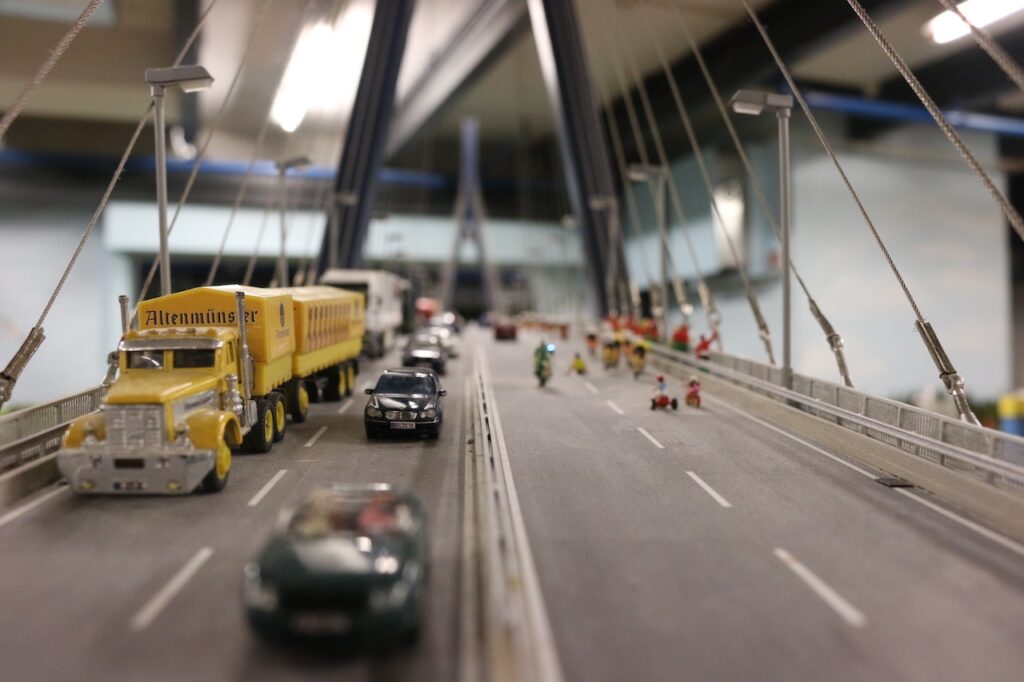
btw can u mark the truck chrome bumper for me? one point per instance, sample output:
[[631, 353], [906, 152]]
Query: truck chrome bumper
[[107, 471]]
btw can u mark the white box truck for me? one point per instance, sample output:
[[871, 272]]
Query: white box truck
[[385, 295]]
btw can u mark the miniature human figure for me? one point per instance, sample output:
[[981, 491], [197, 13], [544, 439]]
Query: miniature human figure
[[542, 363], [681, 338], [578, 365], [592, 343], [638, 359], [661, 386], [704, 347], [611, 354], [693, 392]]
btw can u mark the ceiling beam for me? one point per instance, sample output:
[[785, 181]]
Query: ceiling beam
[[465, 54], [737, 57]]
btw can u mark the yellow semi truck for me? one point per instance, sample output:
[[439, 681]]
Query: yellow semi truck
[[195, 381]]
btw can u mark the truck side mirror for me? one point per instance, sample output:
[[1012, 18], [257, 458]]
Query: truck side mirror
[[442, 392], [368, 391]]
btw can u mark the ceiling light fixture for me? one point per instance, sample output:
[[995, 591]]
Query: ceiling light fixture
[[323, 71], [947, 27]]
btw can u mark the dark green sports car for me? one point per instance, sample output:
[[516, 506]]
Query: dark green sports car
[[345, 561]]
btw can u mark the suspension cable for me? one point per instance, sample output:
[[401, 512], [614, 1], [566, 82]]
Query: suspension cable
[[835, 341], [251, 266], [239, 197], [741, 267], [953, 382], [51, 61], [35, 337], [985, 41], [1008, 210], [704, 291], [633, 213], [197, 162]]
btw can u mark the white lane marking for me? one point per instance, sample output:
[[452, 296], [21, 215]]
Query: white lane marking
[[258, 497], [709, 490], [344, 406], [812, 446], [316, 436], [995, 537], [615, 407], [148, 613], [845, 609], [590, 387], [18, 512], [650, 437]]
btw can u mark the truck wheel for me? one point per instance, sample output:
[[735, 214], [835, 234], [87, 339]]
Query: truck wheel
[[298, 400], [332, 389], [350, 378], [280, 417], [215, 481], [261, 436], [312, 390]]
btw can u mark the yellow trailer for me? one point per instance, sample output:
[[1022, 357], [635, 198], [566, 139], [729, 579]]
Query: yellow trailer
[[329, 328], [208, 370]]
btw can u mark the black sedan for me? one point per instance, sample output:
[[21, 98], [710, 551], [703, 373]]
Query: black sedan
[[405, 400], [425, 350], [347, 561]]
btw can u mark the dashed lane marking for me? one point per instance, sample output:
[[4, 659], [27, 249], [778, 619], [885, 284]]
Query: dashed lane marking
[[615, 407], [845, 609], [316, 436], [258, 497], [651, 438], [709, 490], [148, 613]]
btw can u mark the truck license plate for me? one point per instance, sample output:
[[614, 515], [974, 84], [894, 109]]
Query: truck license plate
[[406, 426]]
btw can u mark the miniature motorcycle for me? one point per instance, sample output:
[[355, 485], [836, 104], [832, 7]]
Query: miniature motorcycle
[[543, 371], [664, 402]]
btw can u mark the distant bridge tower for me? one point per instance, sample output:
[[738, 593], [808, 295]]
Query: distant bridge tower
[[469, 218]]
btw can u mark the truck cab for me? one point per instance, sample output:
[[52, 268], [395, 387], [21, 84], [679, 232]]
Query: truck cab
[[169, 419]]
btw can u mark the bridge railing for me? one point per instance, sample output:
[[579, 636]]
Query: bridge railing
[[36, 431], [992, 456]]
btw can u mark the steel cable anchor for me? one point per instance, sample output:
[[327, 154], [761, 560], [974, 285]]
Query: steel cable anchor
[[950, 377]]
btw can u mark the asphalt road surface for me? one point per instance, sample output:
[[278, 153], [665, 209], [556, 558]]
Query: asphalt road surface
[[130, 588], [702, 545], [695, 545]]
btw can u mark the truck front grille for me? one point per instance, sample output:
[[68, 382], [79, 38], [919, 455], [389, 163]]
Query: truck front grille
[[135, 427]]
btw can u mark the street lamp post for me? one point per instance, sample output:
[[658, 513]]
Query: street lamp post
[[283, 166], [657, 176], [754, 103], [193, 78]]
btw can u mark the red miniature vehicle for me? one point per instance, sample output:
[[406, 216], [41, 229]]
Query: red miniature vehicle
[[665, 402], [693, 393], [661, 398]]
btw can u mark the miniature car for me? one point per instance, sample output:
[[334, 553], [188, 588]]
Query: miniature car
[[664, 402], [405, 400], [504, 329], [424, 349], [448, 338], [347, 561]]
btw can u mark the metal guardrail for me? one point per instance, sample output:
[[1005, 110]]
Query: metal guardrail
[[991, 456], [36, 431], [517, 633]]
